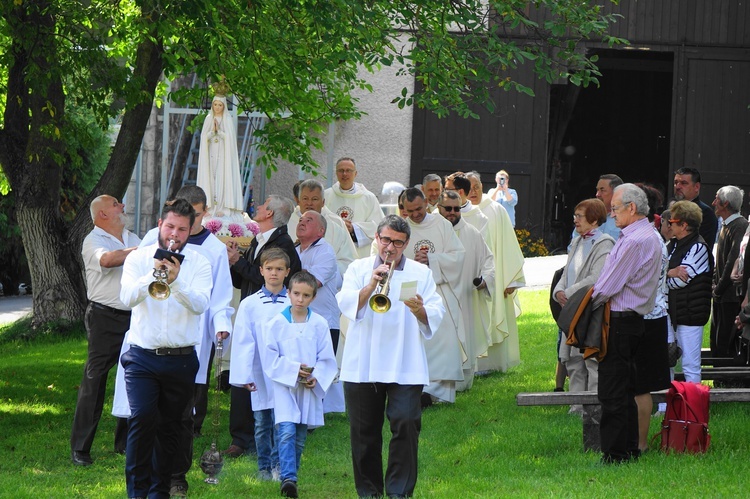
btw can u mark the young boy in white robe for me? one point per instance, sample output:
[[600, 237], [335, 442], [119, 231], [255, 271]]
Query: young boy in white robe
[[247, 370], [295, 341]]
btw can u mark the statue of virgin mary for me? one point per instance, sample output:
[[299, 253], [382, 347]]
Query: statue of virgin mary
[[219, 164]]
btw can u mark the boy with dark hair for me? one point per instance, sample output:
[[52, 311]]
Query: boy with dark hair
[[247, 370], [297, 355]]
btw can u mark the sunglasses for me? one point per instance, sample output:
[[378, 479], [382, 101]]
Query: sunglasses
[[674, 221], [451, 208]]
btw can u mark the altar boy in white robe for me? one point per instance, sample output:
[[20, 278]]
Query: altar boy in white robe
[[294, 341], [435, 244]]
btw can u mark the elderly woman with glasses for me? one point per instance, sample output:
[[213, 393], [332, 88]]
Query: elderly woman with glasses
[[689, 282], [585, 262]]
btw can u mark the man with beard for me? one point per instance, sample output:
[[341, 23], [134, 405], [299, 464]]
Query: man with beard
[[107, 320], [476, 287], [161, 364], [432, 186], [437, 246]]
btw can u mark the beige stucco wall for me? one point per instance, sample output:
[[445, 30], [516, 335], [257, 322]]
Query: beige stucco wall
[[380, 141]]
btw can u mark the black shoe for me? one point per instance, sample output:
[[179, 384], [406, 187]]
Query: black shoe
[[289, 488], [81, 458], [425, 400]]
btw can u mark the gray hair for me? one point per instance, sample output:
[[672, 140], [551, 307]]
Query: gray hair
[[631, 193], [321, 219], [614, 180], [733, 195], [311, 184], [432, 177], [474, 174], [282, 209], [395, 223]]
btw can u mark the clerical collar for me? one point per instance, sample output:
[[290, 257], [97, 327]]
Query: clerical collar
[[353, 190], [379, 261], [467, 206]]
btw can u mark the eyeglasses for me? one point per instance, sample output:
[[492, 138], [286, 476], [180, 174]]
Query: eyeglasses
[[672, 221], [618, 208], [397, 243], [345, 172], [450, 208], [578, 216]]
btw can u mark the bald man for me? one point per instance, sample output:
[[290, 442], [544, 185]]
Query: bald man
[[107, 319]]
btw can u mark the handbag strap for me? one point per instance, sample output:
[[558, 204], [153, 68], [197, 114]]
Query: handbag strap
[[686, 407]]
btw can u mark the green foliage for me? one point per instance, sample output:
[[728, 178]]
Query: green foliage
[[21, 332], [88, 149]]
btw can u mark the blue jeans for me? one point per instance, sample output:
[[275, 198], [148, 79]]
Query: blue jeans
[[265, 440], [290, 444]]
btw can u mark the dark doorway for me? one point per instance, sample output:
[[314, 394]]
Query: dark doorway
[[622, 127]]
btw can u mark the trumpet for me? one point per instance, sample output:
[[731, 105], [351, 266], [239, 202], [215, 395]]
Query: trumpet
[[379, 302], [159, 289]]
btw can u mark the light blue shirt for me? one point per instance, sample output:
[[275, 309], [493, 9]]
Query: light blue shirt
[[510, 206]]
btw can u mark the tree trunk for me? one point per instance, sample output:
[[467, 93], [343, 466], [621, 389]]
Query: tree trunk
[[56, 274]]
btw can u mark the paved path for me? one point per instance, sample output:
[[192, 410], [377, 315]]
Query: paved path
[[13, 308]]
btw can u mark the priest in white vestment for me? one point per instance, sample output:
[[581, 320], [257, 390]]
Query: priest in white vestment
[[435, 244], [477, 285], [432, 186], [504, 351], [311, 197], [461, 185], [358, 208]]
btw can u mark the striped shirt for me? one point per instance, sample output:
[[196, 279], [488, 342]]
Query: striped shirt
[[695, 261], [630, 276]]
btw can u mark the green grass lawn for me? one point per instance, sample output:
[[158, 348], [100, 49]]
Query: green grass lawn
[[483, 446]]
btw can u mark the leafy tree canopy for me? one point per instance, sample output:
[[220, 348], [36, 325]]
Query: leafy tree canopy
[[297, 61]]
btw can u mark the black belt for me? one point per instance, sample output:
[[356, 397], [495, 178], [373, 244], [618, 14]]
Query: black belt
[[170, 350], [106, 308], [622, 315]]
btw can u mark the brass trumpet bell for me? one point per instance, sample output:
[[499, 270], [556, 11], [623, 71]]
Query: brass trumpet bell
[[159, 289], [379, 302]]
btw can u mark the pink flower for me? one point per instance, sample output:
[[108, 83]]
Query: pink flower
[[236, 230], [253, 227], [214, 225]]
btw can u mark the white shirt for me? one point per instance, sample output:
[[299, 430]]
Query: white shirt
[[388, 348], [320, 260], [218, 316], [174, 322], [103, 284], [262, 238]]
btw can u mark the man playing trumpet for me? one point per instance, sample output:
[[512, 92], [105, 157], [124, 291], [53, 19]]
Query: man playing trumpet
[[384, 364], [161, 364]]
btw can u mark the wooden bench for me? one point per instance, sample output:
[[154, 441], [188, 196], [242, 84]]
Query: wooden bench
[[592, 408]]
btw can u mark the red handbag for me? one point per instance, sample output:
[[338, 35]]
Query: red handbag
[[685, 427]]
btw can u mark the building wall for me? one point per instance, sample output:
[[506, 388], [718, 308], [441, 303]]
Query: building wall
[[380, 142]]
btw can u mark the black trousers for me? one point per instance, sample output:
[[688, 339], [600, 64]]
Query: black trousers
[[105, 330], [367, 403], [617, 377], [723, 330], [241, 419], [160, 389]]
